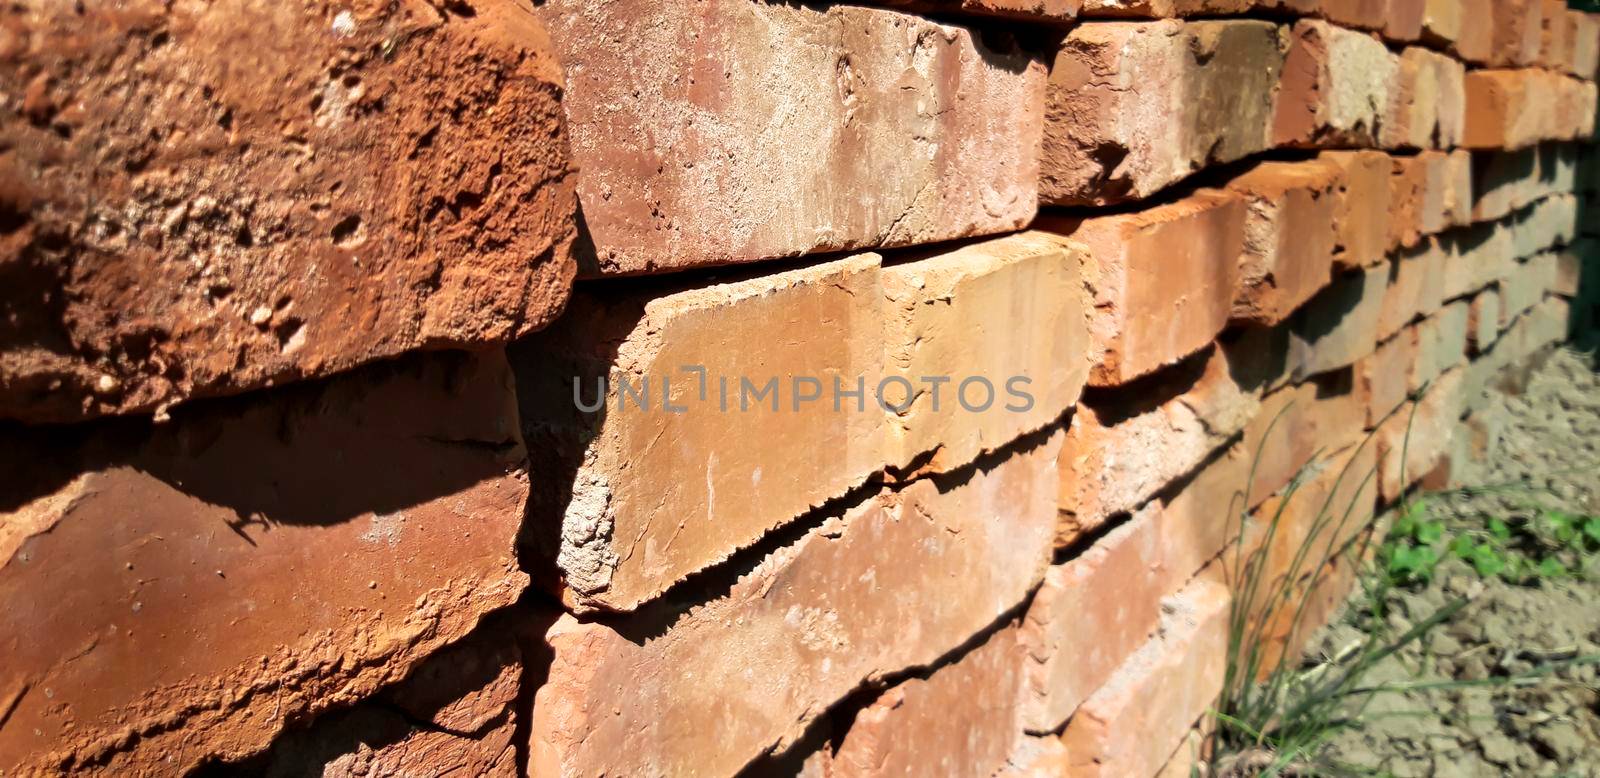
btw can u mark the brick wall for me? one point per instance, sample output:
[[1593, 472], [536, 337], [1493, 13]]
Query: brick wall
[[696, 388]]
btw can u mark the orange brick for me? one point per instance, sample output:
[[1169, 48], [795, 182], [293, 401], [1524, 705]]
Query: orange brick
[[1289, 237], [812, 622], [1475, 42], [1362, 213], [1518, 31], [951, 314], [1525, 286], [1483, 320], [1415, 288], [1135, 722], [1441, 343], [658, 495], [1556, 36], [1115, 585], [1477, 257], [1173, 9], [1359, 14], [1403, 20], [1585, 44], [1422, 189], [1429, 109], [1161, 280]]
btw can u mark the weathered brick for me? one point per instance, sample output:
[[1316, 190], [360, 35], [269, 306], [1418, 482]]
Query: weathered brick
[[1478, 256], [1428, 110], [1296, 424], [650, 495], [1135, 722], [1441, 343], [960, 720], [1340, 324], [730, 131], [1518, 32], [1385, 375], [1548, 223], [1512, 109], [1503, 181], [1174, 9], [1338, 86], [1118, 454], [1357, 14], [1161, 280], [1362, 214], [1135, 106], [1055, 11], [1289, 236], [1525, 286], [1459, 198], [1571, 267], [172, 235], [1413, 440], [1483, 320], [953, 316], [1421, 193], [1116, 586], [1441, 22], [1415, 288], [457, 713], [895, 582], [305, 547]]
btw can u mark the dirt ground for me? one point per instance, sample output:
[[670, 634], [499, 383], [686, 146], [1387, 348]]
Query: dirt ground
[[1549, 439]]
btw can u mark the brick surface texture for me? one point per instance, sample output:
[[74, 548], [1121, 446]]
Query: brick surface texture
[[647, 388]]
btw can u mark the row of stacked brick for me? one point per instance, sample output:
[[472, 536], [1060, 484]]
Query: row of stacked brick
[[315, 460]]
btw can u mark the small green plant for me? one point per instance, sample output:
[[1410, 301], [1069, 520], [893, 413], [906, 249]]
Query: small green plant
[[1547, 544], [1275, 717]]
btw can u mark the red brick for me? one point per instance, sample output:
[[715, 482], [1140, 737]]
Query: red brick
[[1441, 22], [1362, 213], [728, 131], [1135, 722], [1340, 324], [1135, 106], [172, 235], [304, 547], [1338, 86], [1332, 504], [953, 314], [1289, 237], [961, 719], [1298, 423], [1504, 181], [1118, 455], [656, 495], [860, 596], [1115, 586], [1161, 280]]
